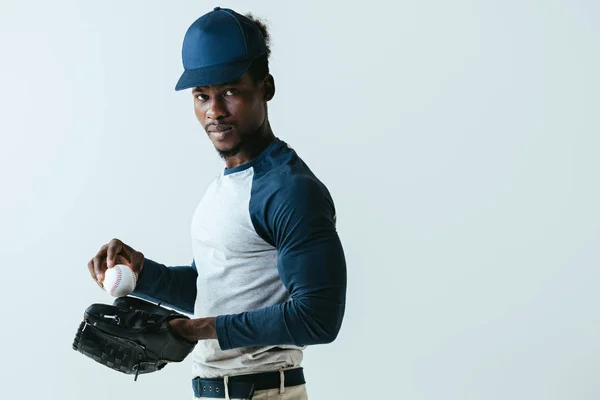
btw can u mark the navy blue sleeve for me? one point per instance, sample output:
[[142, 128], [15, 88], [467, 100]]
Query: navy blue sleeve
[[299, 221], [173, 287]]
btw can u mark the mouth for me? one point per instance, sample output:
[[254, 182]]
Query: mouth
[[220, 132], [220, 127]]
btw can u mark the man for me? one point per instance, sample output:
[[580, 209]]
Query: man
[[268, 276]]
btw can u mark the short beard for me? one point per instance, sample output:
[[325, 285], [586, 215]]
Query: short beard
[[225, 154]]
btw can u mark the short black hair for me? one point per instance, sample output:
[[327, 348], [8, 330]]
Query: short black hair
[[259, 68]]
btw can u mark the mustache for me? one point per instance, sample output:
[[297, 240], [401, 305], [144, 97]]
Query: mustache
[[218, 126]]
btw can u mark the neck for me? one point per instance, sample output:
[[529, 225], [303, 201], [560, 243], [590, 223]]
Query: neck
[[252, 148]]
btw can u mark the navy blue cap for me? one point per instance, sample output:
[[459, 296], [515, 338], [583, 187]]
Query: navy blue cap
[[218, 48]]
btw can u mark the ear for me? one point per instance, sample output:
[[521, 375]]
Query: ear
[[269, 87]]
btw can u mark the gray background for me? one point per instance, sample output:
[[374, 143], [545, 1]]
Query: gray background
[[459, 141]]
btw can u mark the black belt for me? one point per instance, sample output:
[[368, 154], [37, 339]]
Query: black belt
[[244, 386]]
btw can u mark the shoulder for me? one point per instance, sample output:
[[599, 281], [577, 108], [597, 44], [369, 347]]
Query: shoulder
[[291, 183], [288, 197]]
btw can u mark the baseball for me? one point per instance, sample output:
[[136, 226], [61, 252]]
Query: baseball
[[119, 280]]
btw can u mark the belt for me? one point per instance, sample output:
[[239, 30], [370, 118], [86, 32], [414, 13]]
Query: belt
[[244, 386]]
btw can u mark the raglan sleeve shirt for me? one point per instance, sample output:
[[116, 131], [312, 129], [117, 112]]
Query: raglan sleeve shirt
[[299, 220]]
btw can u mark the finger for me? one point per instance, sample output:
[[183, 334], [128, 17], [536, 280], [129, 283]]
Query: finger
[[114, 247], [92, 272], [126, 252], [119, 259], [96, 265], [102, 251], [99, 268]]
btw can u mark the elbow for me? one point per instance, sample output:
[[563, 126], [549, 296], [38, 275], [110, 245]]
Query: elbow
[[328, 337], [332, 328], [321, 323], [331, 325]]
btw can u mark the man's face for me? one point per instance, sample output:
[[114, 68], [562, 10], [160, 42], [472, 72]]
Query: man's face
[[231, 113]]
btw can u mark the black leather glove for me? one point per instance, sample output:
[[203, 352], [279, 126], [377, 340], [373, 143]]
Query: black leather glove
[[132, 336]]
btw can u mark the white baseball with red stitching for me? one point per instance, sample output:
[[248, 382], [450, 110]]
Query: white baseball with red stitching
[[119, 280]]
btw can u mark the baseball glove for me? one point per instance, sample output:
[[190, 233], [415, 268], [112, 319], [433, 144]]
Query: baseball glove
[[132, 336]]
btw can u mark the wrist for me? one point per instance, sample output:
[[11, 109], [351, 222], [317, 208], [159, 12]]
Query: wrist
[[204, 328], [207, 328]]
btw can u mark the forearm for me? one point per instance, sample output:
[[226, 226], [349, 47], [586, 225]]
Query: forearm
[[287, 323], [172, 286], [292, 323]]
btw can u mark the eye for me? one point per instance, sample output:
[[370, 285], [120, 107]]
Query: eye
[[201, 97], [231, 92]]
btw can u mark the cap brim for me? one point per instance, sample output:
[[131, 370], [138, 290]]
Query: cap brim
[[212, 75]]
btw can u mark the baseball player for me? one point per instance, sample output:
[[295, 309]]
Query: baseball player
[[268, 274]]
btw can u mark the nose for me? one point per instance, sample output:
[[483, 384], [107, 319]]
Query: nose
[[217, 108]]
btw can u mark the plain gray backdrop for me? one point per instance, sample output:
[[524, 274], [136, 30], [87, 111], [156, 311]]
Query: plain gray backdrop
[[459, 140]]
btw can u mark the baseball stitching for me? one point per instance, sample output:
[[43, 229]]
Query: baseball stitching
[[114, 287], [134, 277]]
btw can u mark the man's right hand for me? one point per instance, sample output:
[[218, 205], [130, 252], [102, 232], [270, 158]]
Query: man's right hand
[[113, 253]]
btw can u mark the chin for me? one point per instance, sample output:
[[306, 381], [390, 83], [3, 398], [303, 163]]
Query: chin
[[226, 145], [228, 150]]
